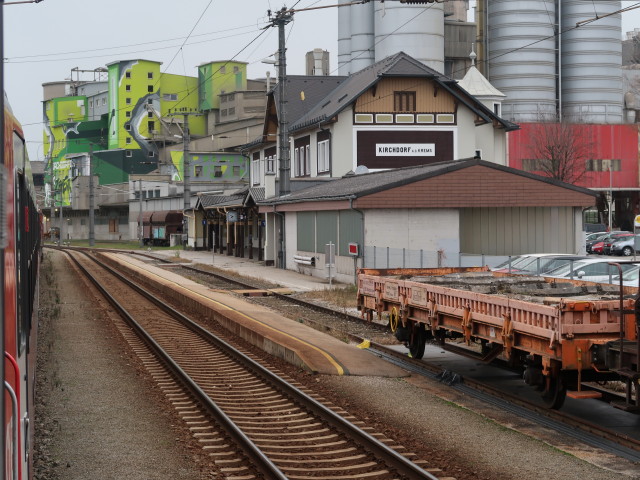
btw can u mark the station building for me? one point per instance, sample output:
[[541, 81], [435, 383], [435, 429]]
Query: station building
[[393, 155]]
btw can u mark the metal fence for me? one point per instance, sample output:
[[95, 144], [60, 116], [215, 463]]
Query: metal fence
[[389, 257]]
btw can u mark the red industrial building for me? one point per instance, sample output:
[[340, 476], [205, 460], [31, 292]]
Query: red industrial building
[[606, 160]]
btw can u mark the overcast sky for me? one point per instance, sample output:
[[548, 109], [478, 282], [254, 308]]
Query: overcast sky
[[44, 41]]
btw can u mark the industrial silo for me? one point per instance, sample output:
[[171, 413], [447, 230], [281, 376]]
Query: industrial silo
[[417, 30], [362, 36], [522, 57], [344, 38], [591, 62]]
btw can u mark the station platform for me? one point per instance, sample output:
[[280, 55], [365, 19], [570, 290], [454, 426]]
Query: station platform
[[252, 268], [292, 341]]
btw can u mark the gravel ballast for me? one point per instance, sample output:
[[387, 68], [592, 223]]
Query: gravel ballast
[[100, 417]]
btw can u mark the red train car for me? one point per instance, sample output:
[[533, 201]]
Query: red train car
[[21, 240]]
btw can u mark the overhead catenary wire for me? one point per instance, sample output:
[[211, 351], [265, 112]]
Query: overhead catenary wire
[[637, 5]]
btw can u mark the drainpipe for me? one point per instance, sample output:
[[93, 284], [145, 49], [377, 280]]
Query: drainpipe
[[355, 272], [281, 243]]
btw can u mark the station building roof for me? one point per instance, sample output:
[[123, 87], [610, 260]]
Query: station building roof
[[452, 184]]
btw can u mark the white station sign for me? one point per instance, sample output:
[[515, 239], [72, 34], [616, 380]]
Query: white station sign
[[405, 149]]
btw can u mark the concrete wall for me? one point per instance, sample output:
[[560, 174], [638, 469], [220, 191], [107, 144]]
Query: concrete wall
[[414, 229], [427, 229]]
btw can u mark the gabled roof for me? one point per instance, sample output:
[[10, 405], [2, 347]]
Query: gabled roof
[[257, 194], [315, 88], [477, 85], [398, 65], [351, 187], [216, 201]]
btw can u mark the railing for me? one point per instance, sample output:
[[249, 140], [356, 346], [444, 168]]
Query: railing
[[388, 257]]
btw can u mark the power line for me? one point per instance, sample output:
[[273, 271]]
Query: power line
[[93, 50]]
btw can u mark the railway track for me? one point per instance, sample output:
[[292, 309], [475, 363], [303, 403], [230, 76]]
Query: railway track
[[349, 326], [590, 433], [272, 429]]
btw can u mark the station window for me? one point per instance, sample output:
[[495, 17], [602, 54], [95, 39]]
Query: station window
[[150, 88], [404, 101], [127, 74], [127, 88], [127, 101]]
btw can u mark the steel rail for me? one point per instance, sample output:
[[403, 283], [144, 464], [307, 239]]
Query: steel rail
[[241, 283], [615, 442], [262, 463], [402, 465]]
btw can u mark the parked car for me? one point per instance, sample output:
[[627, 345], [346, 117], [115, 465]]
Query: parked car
[[594, 238], [624, 246], [598, 246], [592, 270], [629, 278], [538, 263], [509, 263], [606, 249]]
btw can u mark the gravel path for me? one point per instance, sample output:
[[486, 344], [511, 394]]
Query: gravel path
[[112, 424], [97, 415]]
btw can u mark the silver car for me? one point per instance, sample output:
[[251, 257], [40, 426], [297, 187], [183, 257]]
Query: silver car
[[624, 246]]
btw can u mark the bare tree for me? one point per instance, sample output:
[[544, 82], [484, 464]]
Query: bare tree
[[560, 150]]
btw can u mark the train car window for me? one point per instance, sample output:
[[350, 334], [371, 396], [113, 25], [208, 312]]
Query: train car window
[[22, 242], [18, 152]]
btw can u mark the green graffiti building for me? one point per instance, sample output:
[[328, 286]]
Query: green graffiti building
[[124, 121]]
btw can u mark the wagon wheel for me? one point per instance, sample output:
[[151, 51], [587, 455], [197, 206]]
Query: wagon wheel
[[417, 341], [554, 393]]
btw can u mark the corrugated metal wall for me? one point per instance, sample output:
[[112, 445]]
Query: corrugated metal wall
[[350, 228], [306, 226], [327, 228], [316, 229], [513, 231]]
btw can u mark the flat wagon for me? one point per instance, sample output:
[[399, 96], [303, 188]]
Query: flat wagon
[[560, 334]]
